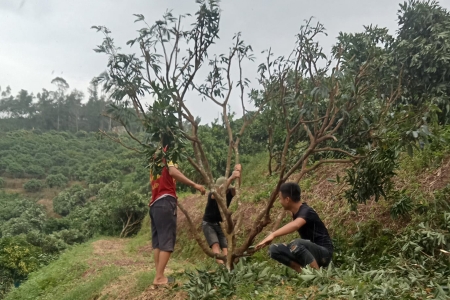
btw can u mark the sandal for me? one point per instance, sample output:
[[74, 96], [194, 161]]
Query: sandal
[[170, 280]]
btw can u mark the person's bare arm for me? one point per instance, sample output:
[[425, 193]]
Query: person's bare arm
[[289, 227], [178, 176], [286, 229], [234, 175]]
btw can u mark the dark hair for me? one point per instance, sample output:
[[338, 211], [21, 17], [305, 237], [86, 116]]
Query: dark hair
[[291, 190]]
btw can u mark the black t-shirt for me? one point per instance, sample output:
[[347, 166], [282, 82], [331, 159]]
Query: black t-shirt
[[314, 229], [212, 213]]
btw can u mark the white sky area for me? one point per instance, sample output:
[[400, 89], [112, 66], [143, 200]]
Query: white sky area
[[43, 39]]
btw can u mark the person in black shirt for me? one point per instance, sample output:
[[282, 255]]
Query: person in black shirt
[[314, 248], [212, 218]]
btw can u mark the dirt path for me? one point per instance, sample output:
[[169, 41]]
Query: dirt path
[[136, 267]]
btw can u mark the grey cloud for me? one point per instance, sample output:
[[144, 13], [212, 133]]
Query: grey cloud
[[27, 8], [47, 35]]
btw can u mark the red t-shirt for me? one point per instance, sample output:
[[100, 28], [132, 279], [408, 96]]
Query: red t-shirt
[[163, 184]]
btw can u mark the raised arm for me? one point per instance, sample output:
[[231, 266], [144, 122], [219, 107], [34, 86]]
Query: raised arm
[[236, 174]]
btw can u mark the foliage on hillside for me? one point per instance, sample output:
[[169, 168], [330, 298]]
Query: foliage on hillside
[[46, 163], [56, 157], [418, 248], [377, 256], [394, 249], [115, 211], [95, 187]]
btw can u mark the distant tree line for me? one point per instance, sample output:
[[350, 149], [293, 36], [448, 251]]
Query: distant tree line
[[60, 110]]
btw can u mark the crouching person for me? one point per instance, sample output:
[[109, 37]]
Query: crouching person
[[211, 219], [314, 248]]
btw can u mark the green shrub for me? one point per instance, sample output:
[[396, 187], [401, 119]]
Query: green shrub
[[48, 243], [65, 135], [222, 284], [22, 157], [81, 134], [6, 144], [442, 198], [60, 159], [15, 170], [5, 161], [70, 198], [422, 239], [16, 226], [70, 236], [127, 165], [37, 131], [57, 180], [43, 159], [108, 214], [112, 208], [64, 170], [371, 177], [80, 218], [53, 224], [35, 171], [33, 186], [403, 205], [18, 257], [2, 182], [31, 217], [105, 176], [12, 206], [141, 175]]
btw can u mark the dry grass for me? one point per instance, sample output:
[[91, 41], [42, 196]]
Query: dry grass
[[113, 252], [48, 205], [161, 293], [327, 199], [43, 197], [48, 193], [15, 183], [436, 179], [136, 281], [103, 247]]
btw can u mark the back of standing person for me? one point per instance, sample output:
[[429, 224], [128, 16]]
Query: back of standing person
[[163, 216]]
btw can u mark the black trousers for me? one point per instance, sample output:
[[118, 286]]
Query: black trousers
[[300, 251], [163, 216]]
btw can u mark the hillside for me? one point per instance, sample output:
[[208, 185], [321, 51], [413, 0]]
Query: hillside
[[404, 240]]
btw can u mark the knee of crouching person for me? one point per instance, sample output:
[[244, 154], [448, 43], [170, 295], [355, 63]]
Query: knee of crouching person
[[273, 250]]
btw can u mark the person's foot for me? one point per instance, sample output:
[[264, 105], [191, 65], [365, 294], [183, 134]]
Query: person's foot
[[164, 281]]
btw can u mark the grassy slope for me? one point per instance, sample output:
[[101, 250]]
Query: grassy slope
[[104, 268], [108, 268]]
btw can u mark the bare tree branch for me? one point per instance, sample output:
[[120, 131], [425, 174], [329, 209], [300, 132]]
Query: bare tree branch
[[329, 149], [117, 140]]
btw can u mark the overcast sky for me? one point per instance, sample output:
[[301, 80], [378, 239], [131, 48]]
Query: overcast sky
[[42, 39]]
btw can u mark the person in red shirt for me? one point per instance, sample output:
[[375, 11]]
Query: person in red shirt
[[163, 216]]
